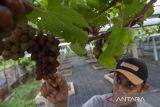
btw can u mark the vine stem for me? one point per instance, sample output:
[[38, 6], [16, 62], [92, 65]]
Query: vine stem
[[140, 15], [113, 3], [135, 19], [101, 35]]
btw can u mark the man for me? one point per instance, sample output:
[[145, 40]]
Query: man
[[130, 78]]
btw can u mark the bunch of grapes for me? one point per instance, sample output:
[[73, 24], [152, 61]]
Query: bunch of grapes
[[98, 48], [11, 11], [16, 39], [20, 40], [45, 53]]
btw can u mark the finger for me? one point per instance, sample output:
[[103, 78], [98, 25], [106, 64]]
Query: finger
[[48, 87], [51, 99], [52, 95], [62, 84], [54, 92], [46, 91], [58, 78], [52, 89], [54, 76], [52, 82], [61, 81], [43, 91]]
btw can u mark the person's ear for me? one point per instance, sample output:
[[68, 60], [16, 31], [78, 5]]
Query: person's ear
[[145, 88]]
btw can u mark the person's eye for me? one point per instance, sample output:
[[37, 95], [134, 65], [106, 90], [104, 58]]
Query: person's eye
[[119, 79], [131, 86]]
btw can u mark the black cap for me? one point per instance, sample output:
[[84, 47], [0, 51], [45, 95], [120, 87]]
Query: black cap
[[135, 70]]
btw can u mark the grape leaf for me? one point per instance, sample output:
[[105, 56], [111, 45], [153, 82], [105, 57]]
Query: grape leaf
[[149, 12], [63, 22], [43, 3], [131, 9], [89, 9], [77, 48], [114, 46], [96, 4]]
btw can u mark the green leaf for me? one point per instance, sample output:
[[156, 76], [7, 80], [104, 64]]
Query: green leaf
[[77, 48], [85, 10], [43, 3], [131, 9], [149, 12], [63, 22], [96, 4], [129, 2], [110, 62], [99, 21], [89, 9], [114, 46], [93, 3]]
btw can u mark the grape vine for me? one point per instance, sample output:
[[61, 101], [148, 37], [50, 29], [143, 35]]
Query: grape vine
[[98, 48], [17, 36]]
